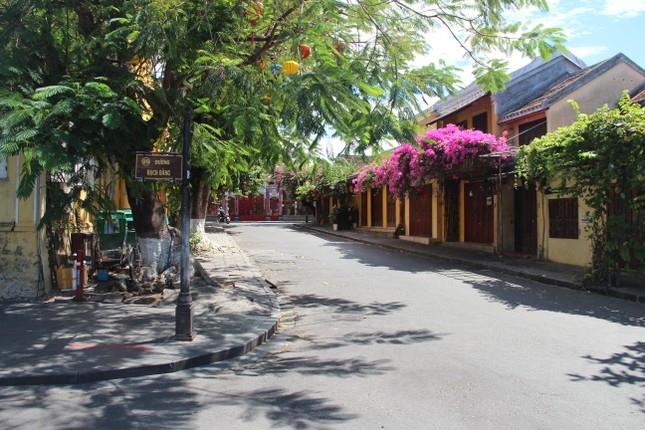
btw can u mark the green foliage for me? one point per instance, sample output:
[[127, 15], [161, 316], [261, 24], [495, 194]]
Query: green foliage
[[601, 159], [199, 244]]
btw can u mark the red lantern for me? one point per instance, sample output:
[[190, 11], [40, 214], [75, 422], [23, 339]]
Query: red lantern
[[305, 50]]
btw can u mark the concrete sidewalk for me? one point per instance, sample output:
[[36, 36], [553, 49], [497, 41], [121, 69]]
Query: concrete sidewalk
[[546, 272], [65, 342]]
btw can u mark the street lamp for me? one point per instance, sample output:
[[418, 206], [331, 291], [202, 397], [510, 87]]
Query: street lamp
[[184, 312]]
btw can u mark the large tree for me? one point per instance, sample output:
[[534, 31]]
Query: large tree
[[85, 84]]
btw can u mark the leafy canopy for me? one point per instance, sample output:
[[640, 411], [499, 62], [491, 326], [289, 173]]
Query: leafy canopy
[[102, 79]]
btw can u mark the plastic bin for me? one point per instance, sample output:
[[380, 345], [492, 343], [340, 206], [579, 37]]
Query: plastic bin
[[130, 236], [112, 230]]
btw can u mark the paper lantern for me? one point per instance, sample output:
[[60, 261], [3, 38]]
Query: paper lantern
[[305, 50], [276, 69], [290, 67]]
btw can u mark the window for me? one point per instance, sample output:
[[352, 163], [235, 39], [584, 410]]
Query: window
[[462, 124], [531, 130], [563, 218], [480, 122]]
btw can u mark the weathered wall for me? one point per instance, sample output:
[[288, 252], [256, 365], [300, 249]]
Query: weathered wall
[[606, 89], [23, 257]]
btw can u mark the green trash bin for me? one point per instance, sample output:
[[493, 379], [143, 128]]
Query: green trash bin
[[112, 230]]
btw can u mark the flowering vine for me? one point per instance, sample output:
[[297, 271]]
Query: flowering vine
[[435, 154]]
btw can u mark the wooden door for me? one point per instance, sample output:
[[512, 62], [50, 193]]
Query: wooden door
[[391, 212], [421, 212], [526, 221], [377, 208], [478, 212], [451, 210]]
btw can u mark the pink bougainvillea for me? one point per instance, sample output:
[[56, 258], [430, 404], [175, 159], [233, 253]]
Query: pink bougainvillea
[[450, 147], [365, 178], [435, 154]]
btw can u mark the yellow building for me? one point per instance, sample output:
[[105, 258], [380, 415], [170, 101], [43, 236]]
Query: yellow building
[[511, 219], [24, 262]]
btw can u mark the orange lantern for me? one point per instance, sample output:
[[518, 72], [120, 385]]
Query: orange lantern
[[290, 67]]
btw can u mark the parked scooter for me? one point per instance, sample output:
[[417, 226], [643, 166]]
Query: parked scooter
[[223, 217]]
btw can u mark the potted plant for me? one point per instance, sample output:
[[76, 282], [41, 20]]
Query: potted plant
[[333, 216], [353, 214]]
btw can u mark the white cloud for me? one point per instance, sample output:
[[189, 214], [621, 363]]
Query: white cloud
[[623, 8], [588, 51]]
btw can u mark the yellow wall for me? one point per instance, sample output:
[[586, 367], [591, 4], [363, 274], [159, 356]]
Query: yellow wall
[[23, 258], [566, 251]]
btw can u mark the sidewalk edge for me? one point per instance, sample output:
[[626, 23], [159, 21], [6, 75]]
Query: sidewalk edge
[[507, 271]]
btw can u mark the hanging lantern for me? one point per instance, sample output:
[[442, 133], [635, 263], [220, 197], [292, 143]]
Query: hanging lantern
[[276, 69], [290, 67], [305, 50], [338, 48]]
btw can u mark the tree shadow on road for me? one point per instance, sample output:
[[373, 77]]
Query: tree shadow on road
[[621, 368], [511, 291], [341, 306], [514, 293], [286, 409], [130, 404]]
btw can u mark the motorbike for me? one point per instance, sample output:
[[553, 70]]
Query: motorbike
[[223, 218]]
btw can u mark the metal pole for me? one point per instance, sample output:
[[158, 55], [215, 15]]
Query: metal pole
[[184, 311]]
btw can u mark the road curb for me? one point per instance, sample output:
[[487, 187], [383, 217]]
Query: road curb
[[265, 333]]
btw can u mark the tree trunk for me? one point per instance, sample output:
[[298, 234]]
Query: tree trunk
[[154, 239], [199, 195]]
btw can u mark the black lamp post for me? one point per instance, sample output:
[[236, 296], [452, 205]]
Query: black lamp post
[[184, 312]]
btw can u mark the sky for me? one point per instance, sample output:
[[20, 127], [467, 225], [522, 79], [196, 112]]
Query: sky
[[599, 29], [595, 30]]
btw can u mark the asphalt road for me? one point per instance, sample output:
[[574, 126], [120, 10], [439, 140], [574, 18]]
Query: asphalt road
[[374, 339]]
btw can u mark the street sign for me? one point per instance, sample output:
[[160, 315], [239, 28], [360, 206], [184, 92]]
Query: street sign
[[159, 166]]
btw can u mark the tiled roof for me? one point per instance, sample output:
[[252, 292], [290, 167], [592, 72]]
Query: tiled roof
[[567, 87], [639, 95], [473, 92]]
